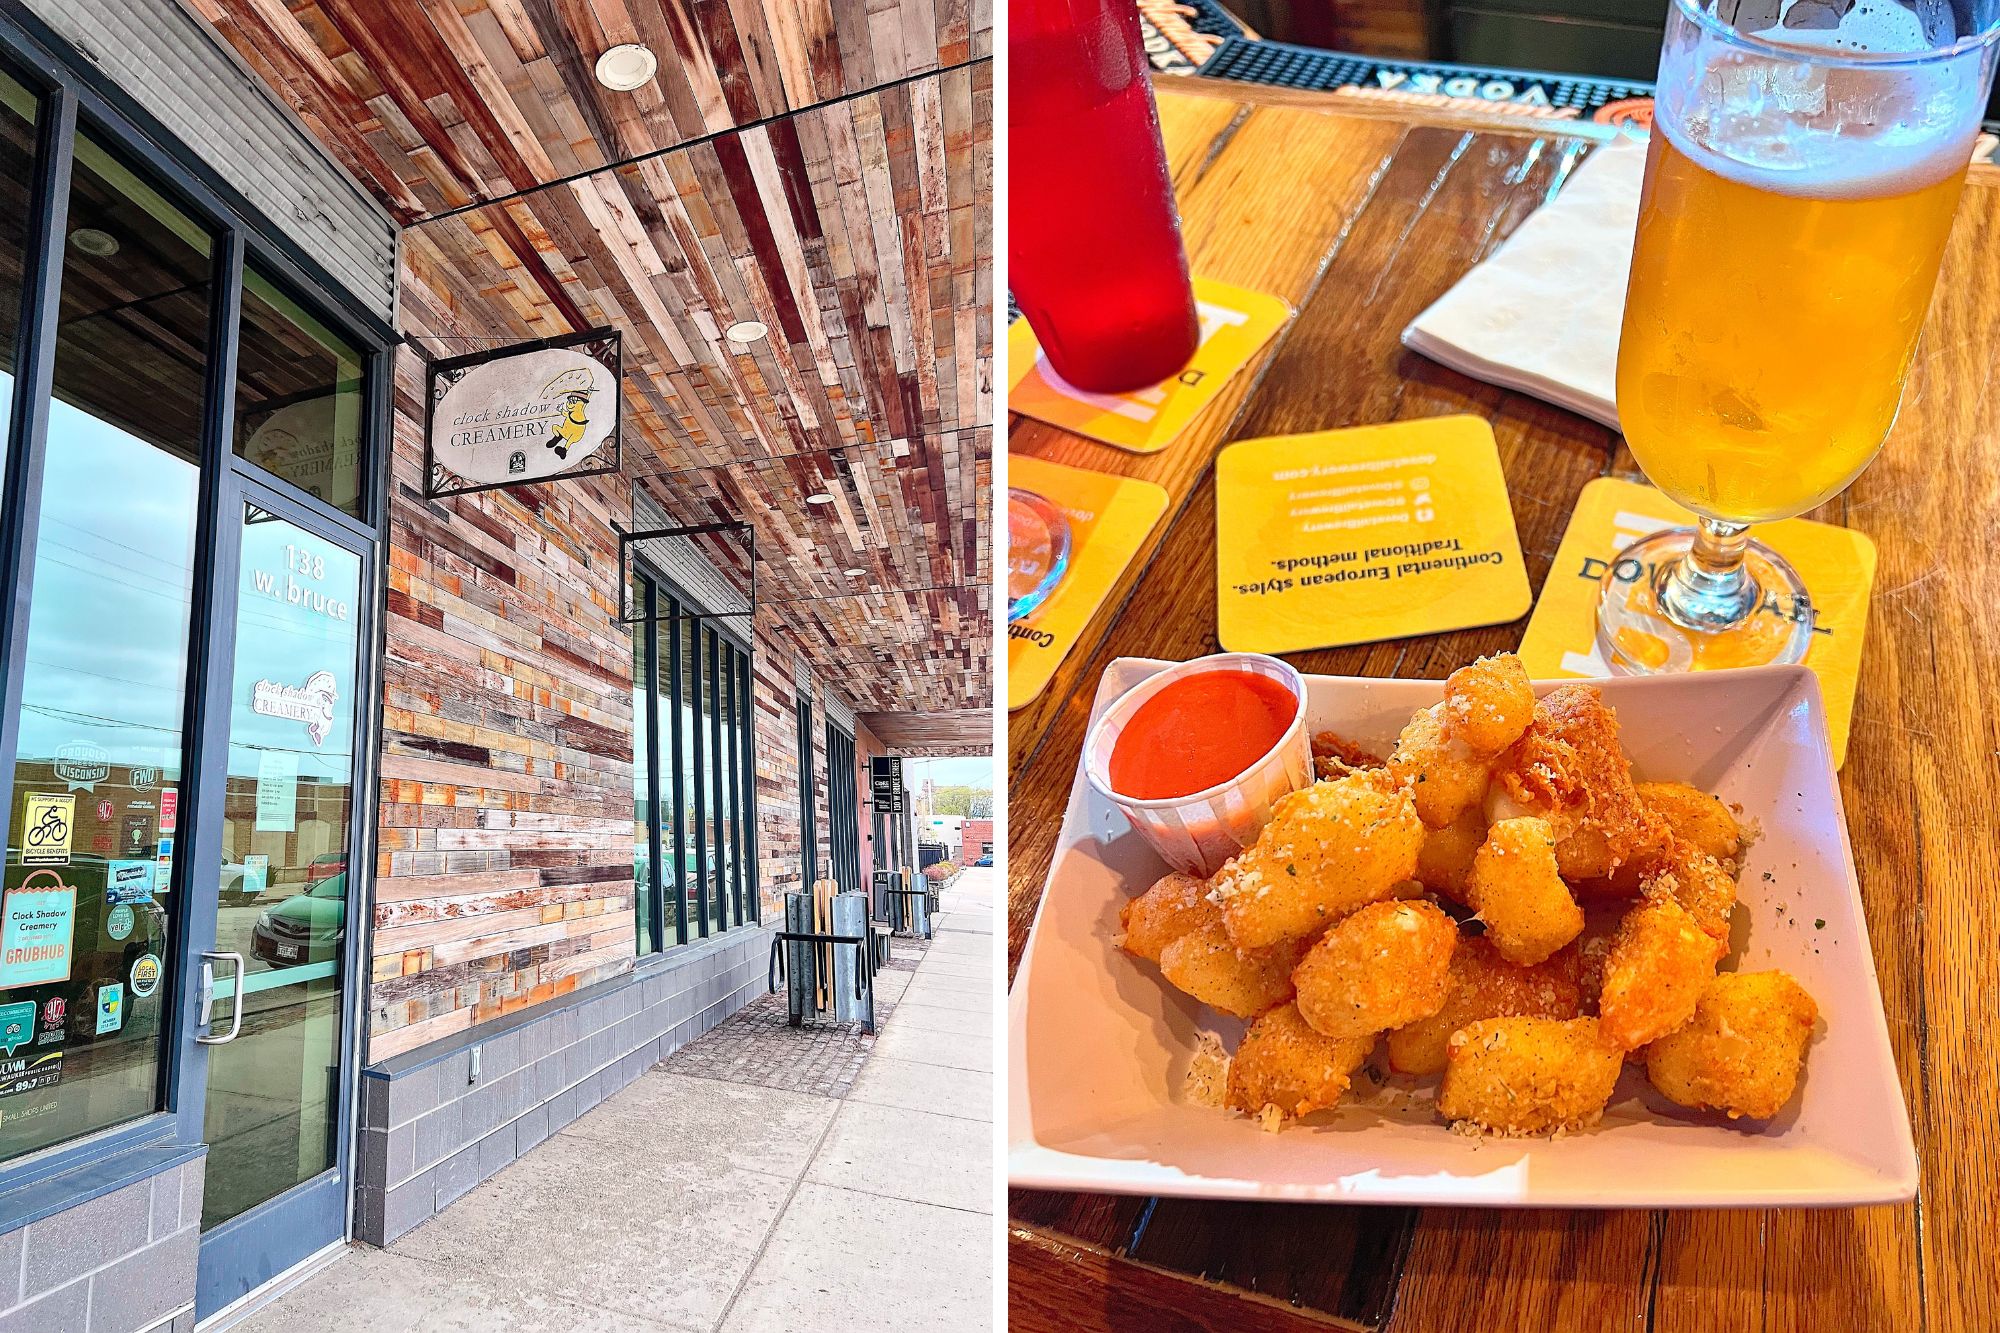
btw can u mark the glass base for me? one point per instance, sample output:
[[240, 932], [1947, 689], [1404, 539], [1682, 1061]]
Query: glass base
[[1655, 617]]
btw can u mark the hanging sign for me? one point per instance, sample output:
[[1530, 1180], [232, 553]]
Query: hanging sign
[[37, 924], [521, 414]]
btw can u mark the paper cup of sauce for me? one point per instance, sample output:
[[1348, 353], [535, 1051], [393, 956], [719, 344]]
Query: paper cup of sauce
[[1198, 831]]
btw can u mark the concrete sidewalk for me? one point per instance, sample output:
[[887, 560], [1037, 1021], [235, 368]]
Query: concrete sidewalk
[[692, 1202]]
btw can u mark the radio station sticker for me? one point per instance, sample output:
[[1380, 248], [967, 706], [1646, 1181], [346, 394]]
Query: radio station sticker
[[146, 975], [47, 825], [28, 1072], [110, 1007], [128, 882], [55, 1010], [37, 925]]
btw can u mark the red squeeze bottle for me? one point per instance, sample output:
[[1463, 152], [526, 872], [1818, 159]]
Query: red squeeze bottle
[[1094, 244]]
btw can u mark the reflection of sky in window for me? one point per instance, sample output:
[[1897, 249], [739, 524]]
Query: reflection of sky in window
[[108, 634], [108, 631]]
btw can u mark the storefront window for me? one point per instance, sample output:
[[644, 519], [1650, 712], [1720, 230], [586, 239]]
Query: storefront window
[[643, 878], [298, 396], [97, 778], [700, 714], [665, 725]]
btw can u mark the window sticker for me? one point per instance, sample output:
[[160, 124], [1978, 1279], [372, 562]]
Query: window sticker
[[110, 1007], [28, 1072], [37, 922], [118, 922], [17, 1025], [146, 975], [127, 882], [46, 828]]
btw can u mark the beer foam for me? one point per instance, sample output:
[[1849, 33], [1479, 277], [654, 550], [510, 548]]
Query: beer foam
[[1816, 126], [1826, 157], [1877, 27]]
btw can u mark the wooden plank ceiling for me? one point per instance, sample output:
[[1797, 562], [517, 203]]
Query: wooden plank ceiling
[[968, 732], [818, 166]]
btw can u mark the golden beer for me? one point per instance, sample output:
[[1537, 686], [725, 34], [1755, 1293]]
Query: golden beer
[[1770, 322]]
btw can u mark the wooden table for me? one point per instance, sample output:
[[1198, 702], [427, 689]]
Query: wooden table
[[1363, 221]]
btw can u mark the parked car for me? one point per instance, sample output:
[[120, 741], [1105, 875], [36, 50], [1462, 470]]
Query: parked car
[[304, 928], [986, 860]]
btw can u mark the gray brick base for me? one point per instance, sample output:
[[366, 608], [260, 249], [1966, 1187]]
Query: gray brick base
[[122, 1263], [430, 1131]]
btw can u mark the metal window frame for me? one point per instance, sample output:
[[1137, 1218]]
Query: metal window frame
[[808, 821], [74, 95], [753, 877], [628, 559], [725, 795], [719, 787], [652, 914]]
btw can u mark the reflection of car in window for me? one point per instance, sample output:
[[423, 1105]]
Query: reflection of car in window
[[306, 927]]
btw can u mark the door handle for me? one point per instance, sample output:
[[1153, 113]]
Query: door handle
[[208, 962]]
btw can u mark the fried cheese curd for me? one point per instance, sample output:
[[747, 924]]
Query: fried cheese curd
[[1446, 777], [1174, 906], [1444, 861], [1482, 984], [1694, 818], [1381, 967], [1334, 756], [1569, 769], [1742, 1049], [1525, 1075], [1330, 848], [1245, 982], [1285, 1065], [1489, 704], [1518, 892], [1660, 962]]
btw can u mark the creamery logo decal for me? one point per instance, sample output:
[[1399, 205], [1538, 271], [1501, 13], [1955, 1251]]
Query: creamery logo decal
[[524, 414], [310, 703]]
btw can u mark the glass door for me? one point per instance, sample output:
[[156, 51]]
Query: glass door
[[275, 1051]]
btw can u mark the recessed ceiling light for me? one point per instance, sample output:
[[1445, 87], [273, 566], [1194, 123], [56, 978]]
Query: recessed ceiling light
[[819, 498], [623, 68], [91, 241], [745, 331], [854, 573]]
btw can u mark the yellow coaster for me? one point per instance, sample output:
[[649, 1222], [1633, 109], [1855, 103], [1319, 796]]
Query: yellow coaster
[[1837, 564], [1109, 517], [1235, 322], [1350, 536]]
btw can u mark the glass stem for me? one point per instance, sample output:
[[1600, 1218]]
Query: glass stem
[[1709, 589]]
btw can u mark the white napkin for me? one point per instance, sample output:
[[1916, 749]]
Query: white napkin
[[1541, 314]]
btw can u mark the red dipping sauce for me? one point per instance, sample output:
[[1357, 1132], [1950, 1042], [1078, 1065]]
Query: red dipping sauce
[[1198, 731]]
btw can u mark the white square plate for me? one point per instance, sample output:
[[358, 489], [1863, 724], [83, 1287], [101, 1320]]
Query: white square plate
[[1099, 1045]]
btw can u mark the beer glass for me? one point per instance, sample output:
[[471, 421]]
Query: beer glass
[[1804, 165]]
